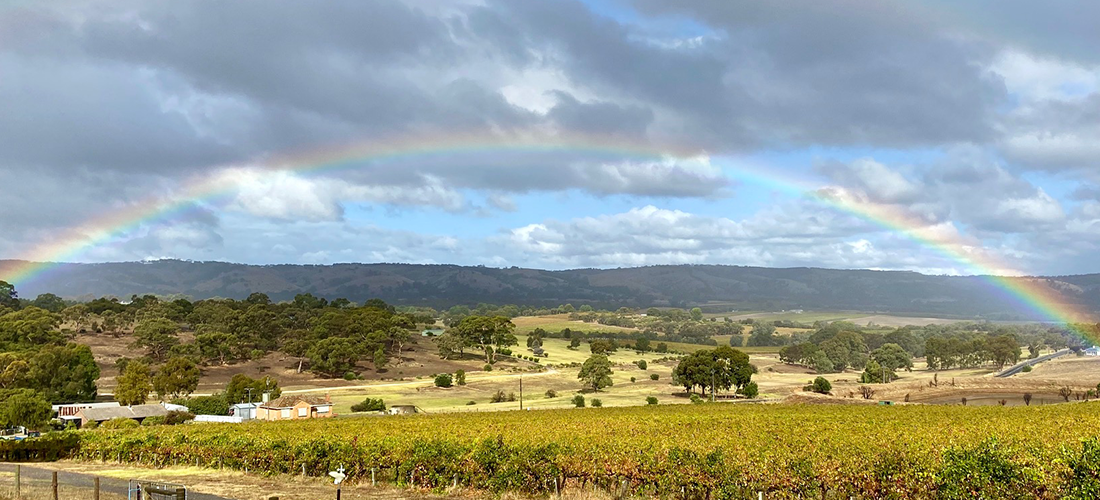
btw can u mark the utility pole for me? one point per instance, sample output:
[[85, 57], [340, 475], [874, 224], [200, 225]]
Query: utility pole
[[521, 391], [249, 390]]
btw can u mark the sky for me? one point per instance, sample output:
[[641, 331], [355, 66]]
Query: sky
[[713, 132]]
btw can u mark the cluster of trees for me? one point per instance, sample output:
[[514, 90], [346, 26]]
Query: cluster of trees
[[482, 332], [330, 337], [839, 346], [723, 368]]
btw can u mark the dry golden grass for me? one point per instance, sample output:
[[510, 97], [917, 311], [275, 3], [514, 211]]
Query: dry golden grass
[[235, 484]]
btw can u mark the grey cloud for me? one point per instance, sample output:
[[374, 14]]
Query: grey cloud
[[600, 117]]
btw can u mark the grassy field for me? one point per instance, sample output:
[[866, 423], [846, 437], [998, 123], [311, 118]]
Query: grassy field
[[558, 322], [719, 450]]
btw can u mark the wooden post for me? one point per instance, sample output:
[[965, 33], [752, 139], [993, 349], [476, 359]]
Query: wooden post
[[181, 494], [17, 495], [95, 491], [53, 485], [372, 483]]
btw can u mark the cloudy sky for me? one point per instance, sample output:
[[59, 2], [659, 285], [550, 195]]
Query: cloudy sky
[[603, 133]]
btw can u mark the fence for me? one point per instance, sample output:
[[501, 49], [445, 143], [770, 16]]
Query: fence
[[30, 483]]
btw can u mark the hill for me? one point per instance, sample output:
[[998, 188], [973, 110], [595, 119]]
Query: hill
[[720, 288]]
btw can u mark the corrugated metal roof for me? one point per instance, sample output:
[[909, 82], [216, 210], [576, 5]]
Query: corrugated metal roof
[[136, 411], [291, 400]]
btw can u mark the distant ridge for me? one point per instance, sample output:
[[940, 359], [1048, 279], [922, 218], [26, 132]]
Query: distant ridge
[[715, 286]]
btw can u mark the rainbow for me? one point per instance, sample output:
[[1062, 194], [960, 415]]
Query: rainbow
[[1032, 293]]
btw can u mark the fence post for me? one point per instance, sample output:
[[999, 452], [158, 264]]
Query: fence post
[[372, 483], [181, 494], [53, 485], [95, 484]]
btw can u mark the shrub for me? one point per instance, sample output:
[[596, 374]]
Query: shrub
[[120, 423], [460, 377], [154, 420], [350, 376], [651, 400], [511, 396], [821, 386], [178, 417], [642, 365], [1026, 368], [498, 397], [550, 394], [471, 403], [369, 404], [751, 390], [696, 399], [205, 405], [487, 367], [632, 380], [443, 380], [596, 403], [578, 401], [654, 376]]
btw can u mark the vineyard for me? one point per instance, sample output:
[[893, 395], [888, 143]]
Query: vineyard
[[719, 451]]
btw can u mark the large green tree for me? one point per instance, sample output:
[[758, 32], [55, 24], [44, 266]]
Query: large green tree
[[333, 356], [156, 336], [176, 378], [486, 331], [23, 407], [596, 372], [134, 384], [8, 296], [242, 387]]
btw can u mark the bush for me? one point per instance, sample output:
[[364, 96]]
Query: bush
[[578, 401], [205, 405], [487, 367], [651, 400], [596, 403], [154, 420], [443, 380], [460, 377], [498, 397], [632, 380], [50, 447], [642, 365], [178, 417], [120, 423], [821, 386], [369, 404], [751, 390], [471, 403], [1026, 368], [511, 396], [654, 376], [696, 399], [350, 376], [551, 394]]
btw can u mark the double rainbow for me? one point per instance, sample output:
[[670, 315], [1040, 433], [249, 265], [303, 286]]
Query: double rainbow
[[1032, 293]]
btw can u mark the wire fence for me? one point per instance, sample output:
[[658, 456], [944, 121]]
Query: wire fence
[[31, 483]]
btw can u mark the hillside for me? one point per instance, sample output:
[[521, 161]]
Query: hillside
[[722, 287]]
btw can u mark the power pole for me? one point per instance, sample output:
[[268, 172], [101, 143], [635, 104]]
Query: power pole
[[249, 390], [521, 391]]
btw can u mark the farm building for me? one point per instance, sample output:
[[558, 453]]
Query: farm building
[[295, 407], [136, 412], [403, 410], [1092, 351], [246, 411], [68, 413]]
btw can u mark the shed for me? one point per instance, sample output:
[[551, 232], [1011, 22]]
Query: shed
[[136, 412], [403, 410], [245, 411]]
